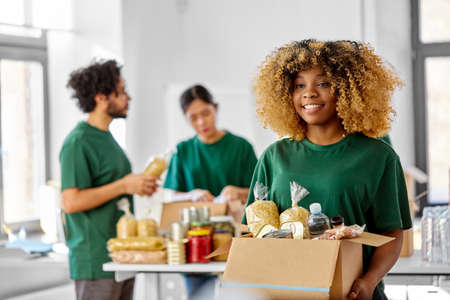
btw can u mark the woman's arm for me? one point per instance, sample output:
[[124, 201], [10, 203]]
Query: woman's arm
[[384, 257]]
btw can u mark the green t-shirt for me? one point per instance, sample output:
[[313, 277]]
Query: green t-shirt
[[196, 165], [358, 178], [91, 158]]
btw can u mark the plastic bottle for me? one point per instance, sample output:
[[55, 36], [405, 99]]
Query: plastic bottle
[[22, 233], [444, 232], [317, 222], [436, 251], [426, 225]]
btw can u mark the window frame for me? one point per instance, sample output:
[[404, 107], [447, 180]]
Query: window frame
[[422, 51], [27, 49]]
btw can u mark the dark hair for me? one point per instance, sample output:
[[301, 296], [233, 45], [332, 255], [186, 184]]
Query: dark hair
[[195, 92], [100, 77]]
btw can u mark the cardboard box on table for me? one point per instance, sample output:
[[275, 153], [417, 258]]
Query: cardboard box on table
[[171, 211], [294, 269]]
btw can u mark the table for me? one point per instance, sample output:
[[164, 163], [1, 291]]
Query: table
[[147, 276], [407, 271]]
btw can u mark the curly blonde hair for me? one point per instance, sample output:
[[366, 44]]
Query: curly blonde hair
[[362, 82]]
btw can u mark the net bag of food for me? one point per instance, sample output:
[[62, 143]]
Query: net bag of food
[[127, 224], [296, 213], [262, 215], [156, 166], [147, 226], [139, 257], [136, 244]]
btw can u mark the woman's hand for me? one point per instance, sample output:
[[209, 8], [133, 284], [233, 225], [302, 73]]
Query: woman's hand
[[199, 195], [361, 290], [230, 193]]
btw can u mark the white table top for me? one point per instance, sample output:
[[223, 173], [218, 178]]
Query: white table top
[[212, 267], [414, 265], [405, 266]]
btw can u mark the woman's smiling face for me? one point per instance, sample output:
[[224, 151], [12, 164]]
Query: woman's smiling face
[[312, 97]]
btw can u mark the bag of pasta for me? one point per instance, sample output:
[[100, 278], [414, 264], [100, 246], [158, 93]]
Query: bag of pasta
[[147, 227], [136, 244], [296, 213], [262, 215], [139, 257], [127, 224], [156, 166]]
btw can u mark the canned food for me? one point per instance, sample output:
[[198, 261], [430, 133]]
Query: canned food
[[203, 214], [178, 231]]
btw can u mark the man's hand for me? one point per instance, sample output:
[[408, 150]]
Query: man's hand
[[143, 185], [199, 195], [361, 290]]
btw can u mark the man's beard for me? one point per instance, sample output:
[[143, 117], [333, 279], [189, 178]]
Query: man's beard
[[114, 112]]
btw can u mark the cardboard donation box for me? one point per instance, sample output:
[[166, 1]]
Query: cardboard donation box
[[171, 211], [295, 269]]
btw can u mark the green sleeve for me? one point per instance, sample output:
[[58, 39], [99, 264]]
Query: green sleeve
[[175, 176], [75, 167], [248, 167], [259, 175], [390, 208]]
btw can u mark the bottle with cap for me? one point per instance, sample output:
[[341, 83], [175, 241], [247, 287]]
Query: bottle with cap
[[317, 222]]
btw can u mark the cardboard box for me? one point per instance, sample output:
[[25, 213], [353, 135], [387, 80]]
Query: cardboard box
[[295, 269], [171, 211]]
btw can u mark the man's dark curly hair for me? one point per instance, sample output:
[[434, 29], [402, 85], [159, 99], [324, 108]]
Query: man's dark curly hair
[[100, 77]]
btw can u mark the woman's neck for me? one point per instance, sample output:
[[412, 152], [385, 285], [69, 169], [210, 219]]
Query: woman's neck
[[213, 137], [325, 135]]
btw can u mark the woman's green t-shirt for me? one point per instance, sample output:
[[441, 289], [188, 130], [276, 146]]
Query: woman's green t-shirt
[[358, 178], [196, 165]]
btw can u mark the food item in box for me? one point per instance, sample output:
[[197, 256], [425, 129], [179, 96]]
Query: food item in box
[[136, 243], [297, 228], [127, 225], [265, 229], [147, 227], [296, 213], [343, 232], [139, 257], [261, 212], [156, 166], [337, 221], [279, 234], [318, 222]]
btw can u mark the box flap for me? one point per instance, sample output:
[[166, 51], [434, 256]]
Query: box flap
[[171, 211], [225, 248], [372, 239], [302, 265]]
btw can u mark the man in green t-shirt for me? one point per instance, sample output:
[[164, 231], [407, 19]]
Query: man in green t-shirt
[[95, 174]]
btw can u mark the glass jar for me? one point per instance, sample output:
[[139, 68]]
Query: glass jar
[[199, 246]]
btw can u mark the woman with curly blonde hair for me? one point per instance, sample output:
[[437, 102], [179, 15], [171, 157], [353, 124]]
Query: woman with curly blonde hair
[[331, 101]]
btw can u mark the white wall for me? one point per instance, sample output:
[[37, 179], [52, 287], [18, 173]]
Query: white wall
[[97, 32]]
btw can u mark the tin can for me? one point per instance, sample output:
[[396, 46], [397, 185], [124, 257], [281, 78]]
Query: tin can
[[178, 231], [203, 214], [193, 214], [185, 215]]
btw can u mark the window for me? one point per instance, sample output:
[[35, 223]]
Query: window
[[431, 65], [23, 159]]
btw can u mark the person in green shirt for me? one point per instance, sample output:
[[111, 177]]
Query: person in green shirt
[[95, 174], [213, 163], [331, 101]]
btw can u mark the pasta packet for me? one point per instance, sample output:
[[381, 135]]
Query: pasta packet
[[262, 215], [127, 225], [296, 213], [136, 244], [343, 232], [147, 227], [139, 257], [156, 166]]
